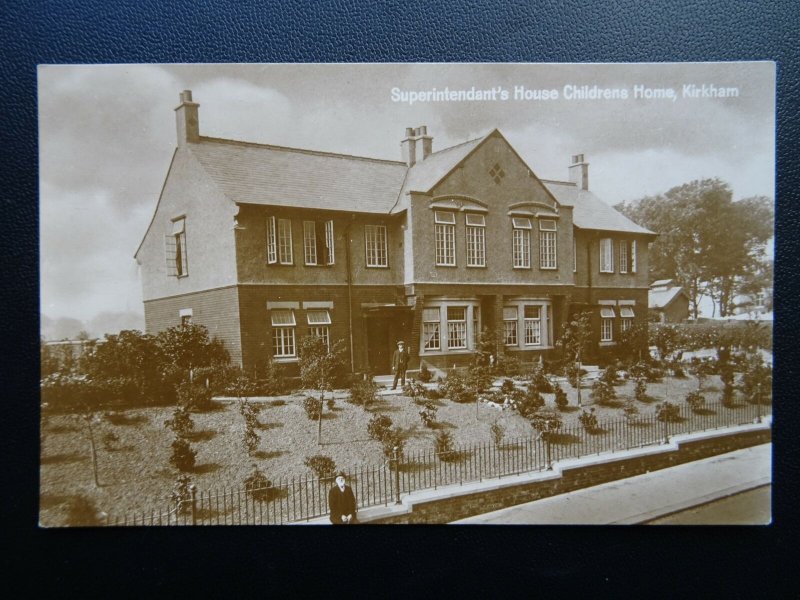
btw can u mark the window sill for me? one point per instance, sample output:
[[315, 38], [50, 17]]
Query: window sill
[[522, 268], [447, 266], [377, 266], [528, 348], [285, 359], [446, 352], [548, 268], [476, 266], [607, 343]]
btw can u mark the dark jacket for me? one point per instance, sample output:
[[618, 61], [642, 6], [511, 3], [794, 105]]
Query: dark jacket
[[400, 360], [341, 503]]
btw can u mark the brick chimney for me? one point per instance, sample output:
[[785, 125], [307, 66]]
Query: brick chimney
[[417, 145], [579, 172], [187, 120]]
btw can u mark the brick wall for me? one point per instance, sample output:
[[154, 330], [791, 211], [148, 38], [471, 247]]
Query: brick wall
[[450, 509], [218, 310]]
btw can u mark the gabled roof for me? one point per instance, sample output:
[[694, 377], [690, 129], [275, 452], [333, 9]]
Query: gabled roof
[[661, 298], [589, 211], [278, 176]]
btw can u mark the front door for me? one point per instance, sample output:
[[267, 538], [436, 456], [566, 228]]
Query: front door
[[379, 354]]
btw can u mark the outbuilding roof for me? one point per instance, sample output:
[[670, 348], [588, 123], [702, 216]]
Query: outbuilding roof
[[661, 298]]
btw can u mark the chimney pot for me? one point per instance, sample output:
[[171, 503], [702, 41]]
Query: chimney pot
[[186, 119]]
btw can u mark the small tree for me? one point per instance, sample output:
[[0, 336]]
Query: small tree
[[756, 379], [181, 422], [546, 421], [667, 412], [444, 446], [589, 421], [320, 366], [181, 495], [323, 466], [539, 380], [257, 486], [603, 393], [695, 400], [574, 343], [378, 427], [363, 391], [393, 438], [90, 419], [498, 432], [183, 456], [414, 390], [428, 415], [561, 398], [251, 438], [425, 374]]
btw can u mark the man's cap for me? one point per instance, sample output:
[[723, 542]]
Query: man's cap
[[341, 474], [401, 343]]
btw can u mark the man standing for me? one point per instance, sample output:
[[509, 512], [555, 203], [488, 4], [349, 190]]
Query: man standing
[[400, 363], [342, 502]]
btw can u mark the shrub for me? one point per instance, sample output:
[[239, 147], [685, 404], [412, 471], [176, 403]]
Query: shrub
[[312, 407], [453, 385], [728, 387], [507, 386], [667, 412], [109, 440], [181, 494], [363, 391], [509, 365], [257, 486], [424, 373], [589, 421], [194, 395], [756, 379], [393, 438], [323, 466], [630, 410], [378, 427], [571, 371], [695, 400], [529, 403], [561, 398], [434, 394], [82, 512], [640, 390], [414, 390], [611, 375], [444, 446], [271, 381], [66, 392], [546, 422], [498, 432], [539, 381], [428, 416], [181, 422], [479, 378], [251, 438], [603, 393], [183, 457]]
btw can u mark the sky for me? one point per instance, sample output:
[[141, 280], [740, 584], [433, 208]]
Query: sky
[[107, 134]]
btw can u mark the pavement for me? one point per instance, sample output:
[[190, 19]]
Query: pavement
[[644, 497]]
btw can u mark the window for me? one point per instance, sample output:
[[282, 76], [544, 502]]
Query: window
[[476, 324], [285, 242], [574, 255], [310, 242], [623, 256], [607, 324], [606, 255], [533, 326], [186, 320], [633, 256], [626, 316], [272, 241], [456, 327], [430, 328], [510, 326], [175, 246], [521, 243], [283, 334], [445, 238], [547, 244], [319, 322], [377, 251], [329, 242], [476, 240]]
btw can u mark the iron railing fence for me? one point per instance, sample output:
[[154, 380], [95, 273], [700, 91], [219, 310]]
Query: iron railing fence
[[298, 499]]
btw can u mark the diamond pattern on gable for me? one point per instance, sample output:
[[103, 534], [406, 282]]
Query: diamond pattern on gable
[[497, 173]]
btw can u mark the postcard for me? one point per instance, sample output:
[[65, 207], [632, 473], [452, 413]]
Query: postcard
[[504, 293]]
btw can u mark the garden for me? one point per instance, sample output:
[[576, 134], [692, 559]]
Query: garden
[[115, 441]]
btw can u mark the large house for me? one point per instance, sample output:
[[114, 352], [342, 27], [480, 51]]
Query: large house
[[265, 244]]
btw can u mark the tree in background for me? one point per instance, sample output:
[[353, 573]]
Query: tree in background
[[574, 342], [707, 241]]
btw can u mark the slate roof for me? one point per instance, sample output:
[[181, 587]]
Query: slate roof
[[589, 211], [278, 176], [662, 298]]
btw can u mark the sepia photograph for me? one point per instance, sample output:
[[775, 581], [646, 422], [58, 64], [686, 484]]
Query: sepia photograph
[[417, 293]]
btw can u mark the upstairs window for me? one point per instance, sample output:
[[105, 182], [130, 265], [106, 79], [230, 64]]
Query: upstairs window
[[272, 241], [521, 243], [445, 238], [376, 246], [329, 242], [175, 247], [285, 255], [318, 242], [606, 255], [547, 244], [633, 256], [319, 322], [283, 334], [623, 256], [430, 328], [476, 240], [310, 242]]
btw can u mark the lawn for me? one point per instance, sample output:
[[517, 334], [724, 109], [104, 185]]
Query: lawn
[[133, 446]]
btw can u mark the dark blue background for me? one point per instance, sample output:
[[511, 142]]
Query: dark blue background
[[384, 561]]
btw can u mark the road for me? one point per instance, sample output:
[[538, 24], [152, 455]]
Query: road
[[752, 507]]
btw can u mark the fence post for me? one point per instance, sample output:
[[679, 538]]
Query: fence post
[[547, 451], [396, 474], [758, 402], [666, 430], [193, 491]]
